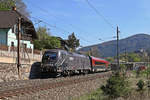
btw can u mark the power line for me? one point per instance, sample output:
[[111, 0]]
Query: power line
[[40, 20], [47, 12], [84, 40], [60, 20], [101, 15], [42, 9]]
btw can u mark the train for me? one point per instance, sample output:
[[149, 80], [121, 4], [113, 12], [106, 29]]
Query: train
[[61, 62]]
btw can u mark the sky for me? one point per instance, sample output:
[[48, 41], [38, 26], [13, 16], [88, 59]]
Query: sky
[[62, 17]]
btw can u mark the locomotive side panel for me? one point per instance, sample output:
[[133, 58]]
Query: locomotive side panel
[[76, 62], [87, 64]]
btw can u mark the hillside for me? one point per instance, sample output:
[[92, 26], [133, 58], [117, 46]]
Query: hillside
[[131, 44]]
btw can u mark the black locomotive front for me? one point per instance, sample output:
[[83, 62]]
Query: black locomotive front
[[63, 62], [49, 60]]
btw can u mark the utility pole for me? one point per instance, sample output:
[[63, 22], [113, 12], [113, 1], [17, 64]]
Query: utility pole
[[125, 55], [118, 48], [18, 47], [126, 60]]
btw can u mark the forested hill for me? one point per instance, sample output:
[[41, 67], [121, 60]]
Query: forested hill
[[131, 44]]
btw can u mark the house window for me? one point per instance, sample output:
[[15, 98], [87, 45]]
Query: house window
[[25, 46], [14, 29], [23, 31], [12, 44]]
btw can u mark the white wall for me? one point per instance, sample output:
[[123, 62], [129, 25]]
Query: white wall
[[12, 38]]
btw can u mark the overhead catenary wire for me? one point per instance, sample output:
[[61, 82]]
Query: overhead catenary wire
[[52, 26], [100, 15], [73, 26], [83, 39], [46, 11], [40, 20]]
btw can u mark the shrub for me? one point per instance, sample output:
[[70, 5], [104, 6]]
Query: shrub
[[116, 86], [140, 85], [148, 85]]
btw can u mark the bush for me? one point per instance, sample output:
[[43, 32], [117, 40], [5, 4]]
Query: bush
[[116, 86], [148, 85], [148, 72], [140, 85]]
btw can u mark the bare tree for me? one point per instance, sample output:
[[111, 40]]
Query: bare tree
[[22, 8]]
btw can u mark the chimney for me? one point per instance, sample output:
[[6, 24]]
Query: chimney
[[14, 8]]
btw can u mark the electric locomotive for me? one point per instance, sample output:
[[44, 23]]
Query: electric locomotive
[[65, 63]]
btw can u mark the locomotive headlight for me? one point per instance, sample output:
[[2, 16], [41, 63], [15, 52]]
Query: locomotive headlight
[[59, 54], [71, 58], [50, 64]]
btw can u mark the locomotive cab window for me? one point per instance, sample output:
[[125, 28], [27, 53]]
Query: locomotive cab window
[[63, 55], [99, 63], [50, 55]]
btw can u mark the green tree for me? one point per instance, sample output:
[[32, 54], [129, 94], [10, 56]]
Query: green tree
[[6, 4], [110, 59], [42, 33], [45, 41], [133, 57], [38, 44], [51, 43], [20, 5], [73, 42], [116, 86]]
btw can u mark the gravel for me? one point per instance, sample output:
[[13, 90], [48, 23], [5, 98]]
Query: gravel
[[61, 93]]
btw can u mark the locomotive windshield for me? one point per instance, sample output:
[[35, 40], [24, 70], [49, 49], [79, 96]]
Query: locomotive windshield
[[50, 55]]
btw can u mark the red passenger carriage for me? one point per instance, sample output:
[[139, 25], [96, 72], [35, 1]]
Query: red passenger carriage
[[99, 64]]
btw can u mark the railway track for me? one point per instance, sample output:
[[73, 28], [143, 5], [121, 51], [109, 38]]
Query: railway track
[[33, 86]]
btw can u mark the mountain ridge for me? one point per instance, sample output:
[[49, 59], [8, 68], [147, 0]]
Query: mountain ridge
[[131, 44]]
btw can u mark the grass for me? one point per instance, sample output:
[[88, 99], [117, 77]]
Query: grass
[[95, 95], [134, 95]]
